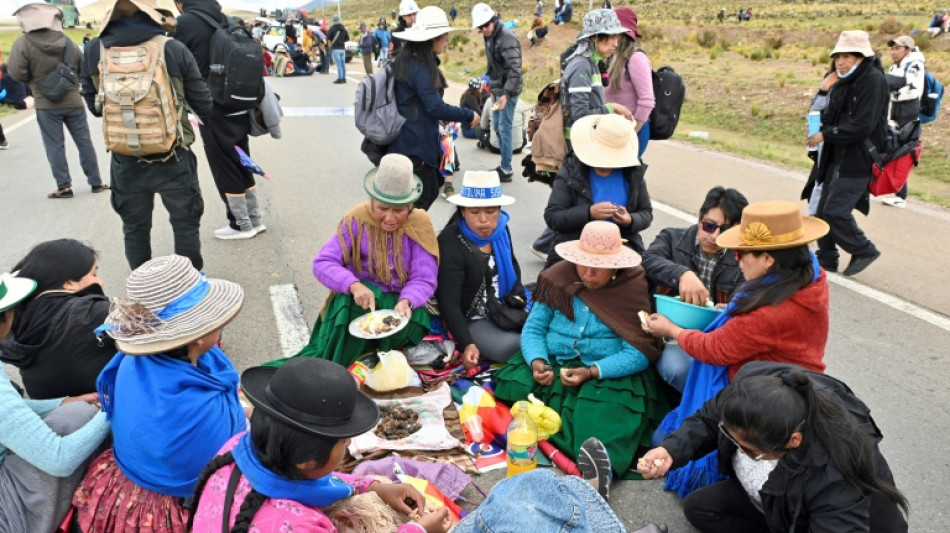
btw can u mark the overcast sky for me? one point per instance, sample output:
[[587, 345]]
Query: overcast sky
[[7, 7]]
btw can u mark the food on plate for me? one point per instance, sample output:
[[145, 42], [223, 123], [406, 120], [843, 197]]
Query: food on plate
[[377, 324], [396, 422]]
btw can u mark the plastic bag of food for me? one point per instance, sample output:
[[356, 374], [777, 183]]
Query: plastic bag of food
[[428, 352], [546, 419], [392, 372]]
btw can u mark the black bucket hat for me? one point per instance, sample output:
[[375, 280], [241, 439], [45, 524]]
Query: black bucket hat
[[313, 395]]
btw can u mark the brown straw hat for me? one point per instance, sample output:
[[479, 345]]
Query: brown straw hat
[[170, 304], [772, 225], [600, 246]]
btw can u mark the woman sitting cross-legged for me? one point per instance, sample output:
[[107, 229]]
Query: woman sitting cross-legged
[[44, 444], [171, 395], [480, 294], [584, 354], [384, 255], [279, 476]]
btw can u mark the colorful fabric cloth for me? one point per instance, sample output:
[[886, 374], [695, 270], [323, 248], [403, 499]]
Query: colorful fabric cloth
[[450, 133], [107, 500], [331, 337], [500, 241], [449, 479], [169, 417]]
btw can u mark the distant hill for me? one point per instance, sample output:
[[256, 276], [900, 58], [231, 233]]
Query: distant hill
[[315, 6]]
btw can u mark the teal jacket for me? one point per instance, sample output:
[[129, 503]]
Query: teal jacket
[[548, 333]]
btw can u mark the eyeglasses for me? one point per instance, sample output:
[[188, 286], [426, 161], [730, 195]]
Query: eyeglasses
[[750, 454], [711, 227]]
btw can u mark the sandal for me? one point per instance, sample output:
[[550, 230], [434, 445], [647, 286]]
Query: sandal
[[61, 193], [100, 188]]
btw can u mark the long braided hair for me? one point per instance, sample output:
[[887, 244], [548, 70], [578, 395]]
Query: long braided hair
[[280, 449]]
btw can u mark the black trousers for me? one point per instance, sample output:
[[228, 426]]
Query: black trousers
[[134, 186], [836, 207], [723, 507], [220, 134], [432, 181]]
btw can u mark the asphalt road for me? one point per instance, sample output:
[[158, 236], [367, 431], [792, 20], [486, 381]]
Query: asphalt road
[[889, 336]]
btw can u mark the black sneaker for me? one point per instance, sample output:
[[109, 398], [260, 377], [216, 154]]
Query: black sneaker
[[4, 145], [594, 464], [504, 177], [828, 265], [860, 262]]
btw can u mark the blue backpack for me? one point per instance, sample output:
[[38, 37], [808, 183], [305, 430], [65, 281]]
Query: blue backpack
[[930, 100]]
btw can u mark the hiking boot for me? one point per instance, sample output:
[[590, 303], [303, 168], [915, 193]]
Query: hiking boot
[[895, 201], [860, 262], [594, 464], [504, 177], [448, 190], [228, 233]]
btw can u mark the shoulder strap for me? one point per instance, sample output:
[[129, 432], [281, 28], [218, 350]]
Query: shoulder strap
[[229, 499], [209, 19]]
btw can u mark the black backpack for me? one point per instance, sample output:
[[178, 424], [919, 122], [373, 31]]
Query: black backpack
[[669, 91], [236, 70]]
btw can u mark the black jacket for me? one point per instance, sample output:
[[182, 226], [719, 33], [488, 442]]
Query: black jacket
[[195, 33], [337, 42], [673, 252], [503, 52], [178, 60], [397, 42], [568, 207], [53, 344], [805, 493], [462, 268]]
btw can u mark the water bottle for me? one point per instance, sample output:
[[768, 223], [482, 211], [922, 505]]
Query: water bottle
[[522, 450]]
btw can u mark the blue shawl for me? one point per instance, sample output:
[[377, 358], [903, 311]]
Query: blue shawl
[[169, 417], [500, 242], [702, 384], [313, 492]]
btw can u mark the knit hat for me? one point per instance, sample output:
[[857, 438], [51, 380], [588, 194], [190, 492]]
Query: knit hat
[[169, 304], [475, 83], [772, 225], [601, 22], [393, 182]]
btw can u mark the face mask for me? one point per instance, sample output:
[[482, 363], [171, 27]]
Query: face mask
[[850, 72]]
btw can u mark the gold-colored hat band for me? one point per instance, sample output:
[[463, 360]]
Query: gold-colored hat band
[[758, 234]]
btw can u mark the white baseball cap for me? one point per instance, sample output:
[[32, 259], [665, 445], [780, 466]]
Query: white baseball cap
[[481, 15]]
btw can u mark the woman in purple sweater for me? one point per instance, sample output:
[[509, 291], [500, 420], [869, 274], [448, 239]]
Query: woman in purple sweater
[[384, 255], [631, 77]]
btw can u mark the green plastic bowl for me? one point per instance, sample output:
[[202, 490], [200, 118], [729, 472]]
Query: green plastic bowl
[[684, 315]]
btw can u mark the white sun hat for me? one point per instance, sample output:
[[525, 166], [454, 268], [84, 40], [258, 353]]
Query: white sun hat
[[481, 189], [431, 22]]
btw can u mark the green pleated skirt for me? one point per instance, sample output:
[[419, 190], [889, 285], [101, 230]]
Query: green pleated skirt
[[621, 412], [331, 338]]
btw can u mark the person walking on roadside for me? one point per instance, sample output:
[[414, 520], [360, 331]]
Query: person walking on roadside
[[383, 37], [856, 115], [224, 130], [367, 42], [337, 37], [906, 81], [503, 52], [408, 9], [34, 56]]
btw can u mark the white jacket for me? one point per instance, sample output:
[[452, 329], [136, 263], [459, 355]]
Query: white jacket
[[912, 69]]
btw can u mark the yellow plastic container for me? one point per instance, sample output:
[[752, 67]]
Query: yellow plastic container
[[522, 451]]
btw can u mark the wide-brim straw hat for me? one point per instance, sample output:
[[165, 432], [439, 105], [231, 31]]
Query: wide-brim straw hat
[[163, 17], [431, 22], [393, 182], [14, 290], [601, 22], [605, 141], [600, 246], [481, 189], [312, 395], [772, 225], [855, 42], [170, 304]]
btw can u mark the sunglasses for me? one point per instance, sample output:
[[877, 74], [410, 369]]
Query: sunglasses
[[740, 254], [483, 26], [711, 227], [749, 453]]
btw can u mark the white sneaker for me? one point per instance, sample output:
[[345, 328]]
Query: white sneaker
[[895, 201], [228, 233], [259, 229]]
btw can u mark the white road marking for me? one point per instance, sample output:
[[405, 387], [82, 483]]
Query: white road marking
[[318, 111], [889, 300], [291, 324], [21, 123]]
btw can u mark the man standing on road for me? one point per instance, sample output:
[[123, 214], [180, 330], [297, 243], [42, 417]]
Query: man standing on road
[[503, 52], [34, 55], [367, 41], [337, 37], [687, 262], [224, 130], [173, 175], [906, 80]]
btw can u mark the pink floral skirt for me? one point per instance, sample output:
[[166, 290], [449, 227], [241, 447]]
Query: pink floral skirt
[[108, 502]]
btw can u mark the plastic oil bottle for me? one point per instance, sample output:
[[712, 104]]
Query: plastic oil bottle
[[522, 451]]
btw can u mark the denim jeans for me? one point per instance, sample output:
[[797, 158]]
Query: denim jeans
[[51, 122], [383, 56], [673, 365], [339, 57], [502, 121]]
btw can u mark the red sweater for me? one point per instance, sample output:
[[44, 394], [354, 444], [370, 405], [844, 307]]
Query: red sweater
[[794, 331]]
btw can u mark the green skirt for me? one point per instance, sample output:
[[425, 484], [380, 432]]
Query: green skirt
[[621, 412], [331, 338]]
